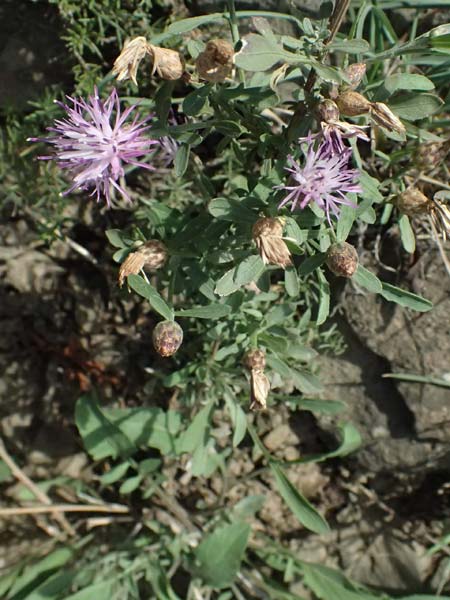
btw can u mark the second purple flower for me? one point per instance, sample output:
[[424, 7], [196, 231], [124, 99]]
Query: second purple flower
[[324, 179]]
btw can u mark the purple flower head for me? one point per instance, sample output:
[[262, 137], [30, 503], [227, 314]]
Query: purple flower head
[[95, 140], [324, 179]]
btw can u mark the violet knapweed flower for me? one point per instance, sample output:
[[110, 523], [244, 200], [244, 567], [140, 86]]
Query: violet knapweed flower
[[93, 145], [324, 179]]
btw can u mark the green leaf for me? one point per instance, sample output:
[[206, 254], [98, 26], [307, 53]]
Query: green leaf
[[219, 555], [405, 298], [407, 234], [38, 571], [407, 81], [291, 282], [130, 484], [99, 591], [370, 188], [181, 159], [328, 584], [101, 437], [116, 238], [212, 311], [305, 382], [115, 473], [354, 46], [419, 379], [345, 223], [226, 285], [147, 291], [367, 279], [311, 263], [328, 407], [186, 25], [415, 106], [351, 441], [249, 270], [196, 434], [238, 418], [261, 53], [302, 509], [324, 299], [52, 587], [196, 100], [228, 209]]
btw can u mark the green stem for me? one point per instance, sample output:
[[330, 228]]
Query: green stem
[[232, 19]]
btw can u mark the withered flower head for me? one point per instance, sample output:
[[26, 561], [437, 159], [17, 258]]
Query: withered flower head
[[355, 73], [260, 387], [127, 63], [255, 359], [169, 64], [352, 103], [216, 61], [430, 155], [153, 254], [167, 338], [383, 116], [412, 202], [342, 259], [328, 111], [440, 216], [267, 234]]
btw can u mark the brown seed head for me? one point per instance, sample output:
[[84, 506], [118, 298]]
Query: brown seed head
[[328, 111], [428, 156], [167, 338], [383, 116], [215, 63], [169, 64], [342, 259], [355, 73], [267, 234], [255, 359], [259, 390], [352, 103], [153, 254], [127, 63], [440, 215], [412, 202]]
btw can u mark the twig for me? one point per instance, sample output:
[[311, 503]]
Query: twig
[[62, 508], [33, 488], [436, 182]]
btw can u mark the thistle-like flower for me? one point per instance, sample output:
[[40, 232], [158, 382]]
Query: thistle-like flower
[[324, 180], [93, 146]]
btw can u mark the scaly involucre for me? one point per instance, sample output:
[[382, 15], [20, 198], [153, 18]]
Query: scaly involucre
[[324, 179], [96, 140]]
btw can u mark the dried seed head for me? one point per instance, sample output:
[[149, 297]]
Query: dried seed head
[[328, 111], [383, 116], [355, 73], [260, 387], [440, 216], [342, 259], [153, 254], [428, 156], [255, 359], [267, 234], [412, 202], [216, 61], [352, 103], [127, 63], [167, 338], [169, 64]]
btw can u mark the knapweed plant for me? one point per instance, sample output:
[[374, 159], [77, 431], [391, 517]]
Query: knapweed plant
[[246, 159]]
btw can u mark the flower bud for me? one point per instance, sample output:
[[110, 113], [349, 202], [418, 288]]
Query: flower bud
[[352, 103], [328, 111], [167, 337], [152, 254], [355, 73], [216, 61], [267, 234], [127, 63], [255, 359], [412, 202], [383, 116], [169, 64], [342, 259], [260, 387]]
